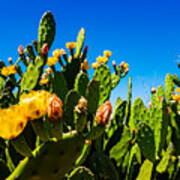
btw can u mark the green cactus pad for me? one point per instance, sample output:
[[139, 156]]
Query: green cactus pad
[[95, 132], [85, 152], [163, 164], [21, 145], [119, 112], [170, 86], [145, 140], [160, 92], [103, 75], [30, 52], [115, 78], [134, 150], [128, 106], [4, 171], [92, 94], [39, 129], [137, 113], [60, 85], [80, 42], [81, 173], [80, 119], [160, 120], [70, 72], [32, 75], [103, 167], [52, 160], [46, 30], [120, 149], [81, 83], [71, 101], [145, 170]]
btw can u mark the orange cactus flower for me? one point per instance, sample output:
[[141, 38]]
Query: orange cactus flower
[[85, 65], [70, 45], [103, 113], [55, 108]]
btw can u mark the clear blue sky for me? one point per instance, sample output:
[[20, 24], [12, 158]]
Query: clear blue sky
[[144, 33]]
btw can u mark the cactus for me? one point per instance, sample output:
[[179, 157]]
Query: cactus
[[103, 75], [57, 124], [81, 83], [146, 170], [104, 167], [145, 140], [46, 30], [81, 173], [80, 42]]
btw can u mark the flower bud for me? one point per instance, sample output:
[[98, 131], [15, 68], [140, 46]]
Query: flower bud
[[55, 108], [153, 90], [45, 49], [103, 113], [114, 63], [82, 105], [20, 50]]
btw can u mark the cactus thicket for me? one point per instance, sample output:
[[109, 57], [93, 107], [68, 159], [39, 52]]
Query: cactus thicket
[[56, 123]]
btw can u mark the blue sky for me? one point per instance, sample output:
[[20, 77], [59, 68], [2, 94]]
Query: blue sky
[[144, 33]]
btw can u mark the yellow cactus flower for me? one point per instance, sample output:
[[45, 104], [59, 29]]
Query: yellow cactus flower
[[126, 65], [57, 53], [85, 65], [13, 122], [101, 59], [7, 71], [12, 69], [177, 89], [70, 45], [176, 97], [107, 53], [95, 65], [44, 81], [52, 61], [35, 104]]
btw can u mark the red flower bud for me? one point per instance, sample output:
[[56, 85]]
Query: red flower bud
[[20, 50], [86, 49], [45, 49], [103, 113], [55, 108]]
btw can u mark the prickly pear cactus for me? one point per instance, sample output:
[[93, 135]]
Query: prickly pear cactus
[[51, 117]]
